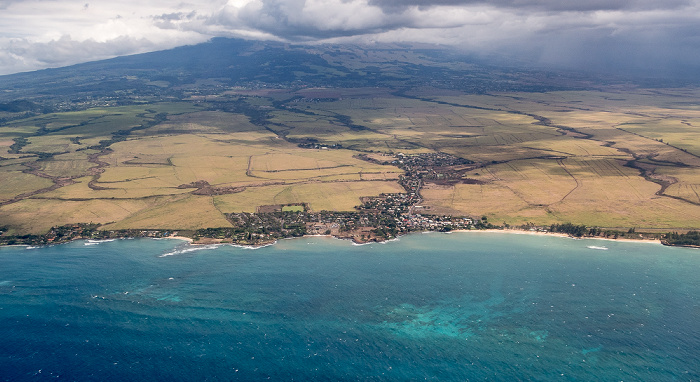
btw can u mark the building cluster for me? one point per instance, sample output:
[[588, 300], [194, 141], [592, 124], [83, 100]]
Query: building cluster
[[257, 228], [319, 146], [315, 99], [434, 166], [390, 204], [418, 222]]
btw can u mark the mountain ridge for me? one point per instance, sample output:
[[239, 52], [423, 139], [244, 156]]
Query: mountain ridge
[[236, 62]]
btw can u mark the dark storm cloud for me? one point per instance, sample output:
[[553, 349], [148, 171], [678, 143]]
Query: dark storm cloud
[[546, 5], [657, 50], [617, 35], [652, 35], [312, 20], [316, 19]]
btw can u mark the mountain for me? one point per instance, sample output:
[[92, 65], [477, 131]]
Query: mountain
[[232, 62]]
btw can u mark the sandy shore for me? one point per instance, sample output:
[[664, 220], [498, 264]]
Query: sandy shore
[[209, 241], [558, 234], [508, 231], [187, 239]]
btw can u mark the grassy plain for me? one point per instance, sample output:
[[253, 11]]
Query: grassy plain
[[182, 212], [613, 158], [14, 182], [592, 192], [330, 196], [36, 215]]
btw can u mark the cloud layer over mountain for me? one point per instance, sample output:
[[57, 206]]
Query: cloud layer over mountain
[[647, 36]]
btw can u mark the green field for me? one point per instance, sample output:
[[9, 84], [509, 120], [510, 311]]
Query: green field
[[292, 208]]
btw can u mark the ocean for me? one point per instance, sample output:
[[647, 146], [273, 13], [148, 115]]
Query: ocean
[[442, 307]]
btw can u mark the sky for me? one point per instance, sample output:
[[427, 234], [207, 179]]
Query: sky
[[637, 36]]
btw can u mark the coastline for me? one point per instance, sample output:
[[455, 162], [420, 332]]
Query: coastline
[[185, 238], [209, 241], [564, 235]]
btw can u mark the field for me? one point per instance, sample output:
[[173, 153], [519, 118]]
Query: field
[[615, 158]]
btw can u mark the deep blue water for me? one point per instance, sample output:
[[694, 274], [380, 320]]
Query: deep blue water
[[464, 306]]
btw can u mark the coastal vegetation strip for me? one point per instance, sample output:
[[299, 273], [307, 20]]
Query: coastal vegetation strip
[[688, 239], [258, 229]]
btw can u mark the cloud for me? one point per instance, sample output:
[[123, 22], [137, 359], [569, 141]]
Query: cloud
[[541, 5], [596, 34], [36, 34]]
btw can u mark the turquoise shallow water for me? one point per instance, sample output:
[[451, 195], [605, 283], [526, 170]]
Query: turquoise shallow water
[[462, 306]]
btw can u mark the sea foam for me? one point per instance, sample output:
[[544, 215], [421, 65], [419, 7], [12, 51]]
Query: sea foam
[[597, 247], [96, 242], [190, 249]]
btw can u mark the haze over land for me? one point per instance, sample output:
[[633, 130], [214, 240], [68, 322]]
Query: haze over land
[[644, 37]]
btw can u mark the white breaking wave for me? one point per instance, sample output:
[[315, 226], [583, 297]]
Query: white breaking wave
[[250, 246], [390, 240], [96, 242], [190, 249], [597, 247]]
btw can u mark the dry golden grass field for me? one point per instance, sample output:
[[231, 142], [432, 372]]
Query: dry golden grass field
[[614, 158]]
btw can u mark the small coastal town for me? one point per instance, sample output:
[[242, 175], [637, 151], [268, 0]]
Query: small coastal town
[[377, 219]]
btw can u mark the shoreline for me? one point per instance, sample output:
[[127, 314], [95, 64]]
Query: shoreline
[[507, 231], [209, 241], [185, 238], [564, 235]]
